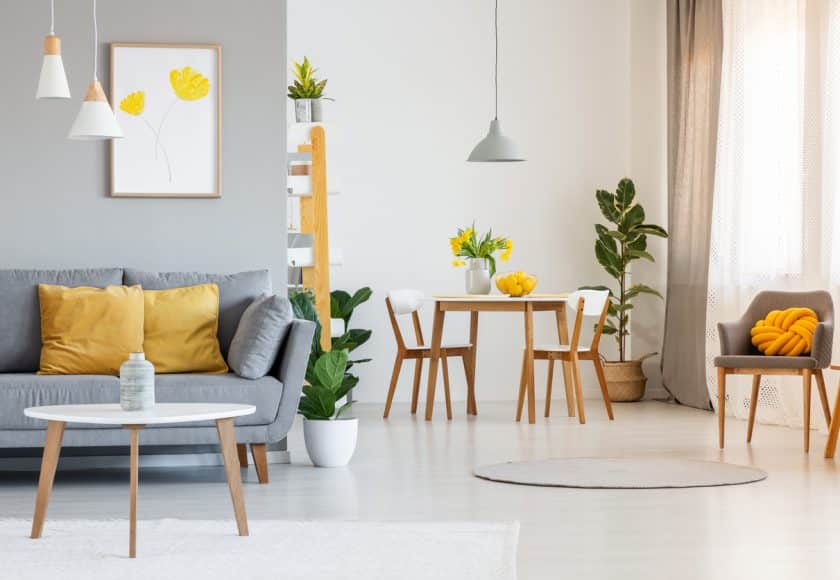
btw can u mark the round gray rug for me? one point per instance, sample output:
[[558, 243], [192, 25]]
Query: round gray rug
[[625, 473]]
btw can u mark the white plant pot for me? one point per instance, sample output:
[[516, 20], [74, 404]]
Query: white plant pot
[[330, 443]]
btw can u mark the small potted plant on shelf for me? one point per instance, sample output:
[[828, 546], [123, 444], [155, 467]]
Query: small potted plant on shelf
[[616, 247], [307, 92], [477, 253], [329, 436]]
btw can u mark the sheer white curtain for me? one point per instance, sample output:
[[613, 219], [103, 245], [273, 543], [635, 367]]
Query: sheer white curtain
[[778, 155]]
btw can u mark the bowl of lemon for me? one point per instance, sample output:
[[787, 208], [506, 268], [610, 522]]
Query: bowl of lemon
[[516, 284]]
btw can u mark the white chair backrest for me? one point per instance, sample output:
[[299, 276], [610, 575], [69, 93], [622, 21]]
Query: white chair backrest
[[593, 301], [405, 301]]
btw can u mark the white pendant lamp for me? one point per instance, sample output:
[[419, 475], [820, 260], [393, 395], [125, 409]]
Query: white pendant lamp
[[52, 83], [95, 120], [495, 147]]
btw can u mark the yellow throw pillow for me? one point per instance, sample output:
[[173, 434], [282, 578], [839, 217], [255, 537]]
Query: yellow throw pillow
[[89, 331], [785, 332], [181, 330]]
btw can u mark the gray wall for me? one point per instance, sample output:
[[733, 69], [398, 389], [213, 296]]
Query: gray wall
[[54, 204]]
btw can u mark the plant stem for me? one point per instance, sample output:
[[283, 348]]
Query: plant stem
[[621, 301], [159, 145], [162, 122]]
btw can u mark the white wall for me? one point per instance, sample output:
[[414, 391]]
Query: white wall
[[413, 89]]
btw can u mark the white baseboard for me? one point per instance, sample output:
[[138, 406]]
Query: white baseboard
[[121, 461]]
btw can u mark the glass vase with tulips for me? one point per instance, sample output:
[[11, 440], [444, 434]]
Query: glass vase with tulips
[[469, 245]]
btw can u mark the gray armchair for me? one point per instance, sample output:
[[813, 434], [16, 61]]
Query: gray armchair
[[739, 357]]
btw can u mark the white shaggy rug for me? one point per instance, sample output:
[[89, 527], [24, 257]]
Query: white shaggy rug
[[276, 550], [623, 473]]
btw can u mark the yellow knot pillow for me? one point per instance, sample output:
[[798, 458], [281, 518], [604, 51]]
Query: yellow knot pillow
[[785, 332]]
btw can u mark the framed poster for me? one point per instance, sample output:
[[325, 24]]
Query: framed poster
[[168, 101]]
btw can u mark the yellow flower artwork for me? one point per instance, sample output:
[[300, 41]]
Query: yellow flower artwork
[[187, 84]]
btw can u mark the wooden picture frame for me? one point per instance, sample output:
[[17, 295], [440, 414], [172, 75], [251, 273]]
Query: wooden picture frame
[[188, 170]]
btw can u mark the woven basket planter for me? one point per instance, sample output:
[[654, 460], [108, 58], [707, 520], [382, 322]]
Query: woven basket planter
[[625, 380]]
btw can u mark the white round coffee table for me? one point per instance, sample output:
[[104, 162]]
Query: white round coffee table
[[161, 414]]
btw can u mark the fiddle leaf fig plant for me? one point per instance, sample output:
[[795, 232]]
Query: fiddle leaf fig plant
[[616, 247], [305, 85], [325, 387]]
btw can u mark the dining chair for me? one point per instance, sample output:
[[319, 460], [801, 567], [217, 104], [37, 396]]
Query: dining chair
[[738, 356], [409, 302], [583, 303]]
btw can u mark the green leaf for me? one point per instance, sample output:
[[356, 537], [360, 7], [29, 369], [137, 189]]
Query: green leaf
[[328, 371], [623, 307], [637, 242], [347, 384], [636, 254], [351, 339], [633, 217], [650, 229], [637, 289], [625, 194], [606, 238], [608, 259], [343, 408], [303, 306], [609, 329], [606, 201], [339, 299]]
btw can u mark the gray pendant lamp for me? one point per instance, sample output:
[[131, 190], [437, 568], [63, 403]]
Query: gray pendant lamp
[[496, 147]]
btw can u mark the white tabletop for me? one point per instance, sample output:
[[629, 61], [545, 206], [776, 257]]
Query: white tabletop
[[500, 298], [161, 413]]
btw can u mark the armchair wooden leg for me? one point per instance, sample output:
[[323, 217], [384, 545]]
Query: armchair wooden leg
[[446, 393], [721, 376], [834, 428], [602, 382], [753, 405], [242, 453], [258, 451], [823, 396], [548, 386], [806, 408], [578, 388], [395, 376], [415, 388]]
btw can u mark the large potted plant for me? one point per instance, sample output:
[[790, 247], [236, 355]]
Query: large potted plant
[[330, 437], [307, 92], [616, 247]]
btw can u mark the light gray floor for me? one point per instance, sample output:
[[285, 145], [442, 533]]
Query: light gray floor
[[406, 469]]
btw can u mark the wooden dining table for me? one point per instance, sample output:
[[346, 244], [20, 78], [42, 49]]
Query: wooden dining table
[[496, 303]]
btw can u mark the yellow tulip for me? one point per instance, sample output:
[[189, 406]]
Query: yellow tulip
[[188, 84], [458, 263], [455, 244], [134, 103]]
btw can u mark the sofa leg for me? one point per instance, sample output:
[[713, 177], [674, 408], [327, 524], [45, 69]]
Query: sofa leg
[[721, 376], [242, 452], [260, 461]]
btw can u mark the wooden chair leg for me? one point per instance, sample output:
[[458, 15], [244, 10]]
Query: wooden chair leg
[[823, 396], [415, 388], [446, 393], [242, 453], [469, 374], [395, 376], [258, 451], [568, 384], [756, 384], [548, 386], [521, 399], [806, 408], [721, 377], [575, 361], [602, 382], [834, 428]]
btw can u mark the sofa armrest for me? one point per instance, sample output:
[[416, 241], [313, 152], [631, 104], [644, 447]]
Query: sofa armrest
[[291, 371], [822, 343], [734, 337]]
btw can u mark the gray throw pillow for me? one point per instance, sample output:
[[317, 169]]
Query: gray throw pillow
[[258, 337]]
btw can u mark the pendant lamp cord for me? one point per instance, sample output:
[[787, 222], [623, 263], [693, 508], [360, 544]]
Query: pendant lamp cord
[[52, 17], [95, 42], [496, 72]]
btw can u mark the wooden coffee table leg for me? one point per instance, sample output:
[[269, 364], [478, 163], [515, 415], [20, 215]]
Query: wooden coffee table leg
[[134, 470], [49, 462], [227, 441]]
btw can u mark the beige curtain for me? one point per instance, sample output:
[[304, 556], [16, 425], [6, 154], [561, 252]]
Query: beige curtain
[[695, 43]]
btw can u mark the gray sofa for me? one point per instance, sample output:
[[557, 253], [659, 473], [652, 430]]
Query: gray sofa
[[275, 396]]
